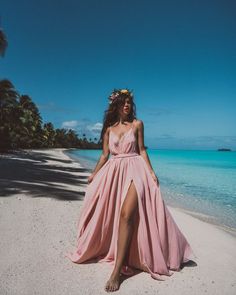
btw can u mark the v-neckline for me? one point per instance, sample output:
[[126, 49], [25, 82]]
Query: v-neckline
[[119, 138]]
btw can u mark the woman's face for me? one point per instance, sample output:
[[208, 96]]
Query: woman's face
[[126, 107]]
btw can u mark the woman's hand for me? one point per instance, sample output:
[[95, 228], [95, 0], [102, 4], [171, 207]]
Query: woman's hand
[[155, 178], [90, 178]]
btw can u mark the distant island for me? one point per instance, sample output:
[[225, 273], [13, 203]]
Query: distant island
[[224, 150]]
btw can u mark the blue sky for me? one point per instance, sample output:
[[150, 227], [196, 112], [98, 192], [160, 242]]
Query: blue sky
[[178, 57]]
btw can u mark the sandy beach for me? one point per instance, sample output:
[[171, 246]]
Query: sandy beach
[[41, 193]]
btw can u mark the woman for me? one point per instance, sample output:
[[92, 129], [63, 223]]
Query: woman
[[124, 219]]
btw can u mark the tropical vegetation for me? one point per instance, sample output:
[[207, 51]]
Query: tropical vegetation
[[21, 125]]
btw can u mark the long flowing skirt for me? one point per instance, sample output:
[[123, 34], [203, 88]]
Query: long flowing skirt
[[157, 245]]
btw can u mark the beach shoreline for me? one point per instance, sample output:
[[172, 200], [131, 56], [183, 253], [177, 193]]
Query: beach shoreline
[[41, 196], [199, 215]]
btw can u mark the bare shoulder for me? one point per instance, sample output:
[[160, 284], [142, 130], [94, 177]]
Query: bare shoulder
[[138, 123], [108, 130]]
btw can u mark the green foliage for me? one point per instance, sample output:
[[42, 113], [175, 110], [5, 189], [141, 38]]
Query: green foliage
[[21, 125], [3, 42]]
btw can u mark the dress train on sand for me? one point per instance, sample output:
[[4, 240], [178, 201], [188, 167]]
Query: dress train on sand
[[157, 245]]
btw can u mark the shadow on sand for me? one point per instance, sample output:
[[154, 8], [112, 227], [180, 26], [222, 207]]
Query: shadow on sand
[[28, 172]]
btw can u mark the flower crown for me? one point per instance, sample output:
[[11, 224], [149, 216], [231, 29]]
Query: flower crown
[[116, 94]]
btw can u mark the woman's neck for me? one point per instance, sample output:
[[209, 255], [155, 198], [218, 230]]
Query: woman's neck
[[123, 119]]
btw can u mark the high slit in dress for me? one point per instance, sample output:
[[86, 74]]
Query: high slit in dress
[[157, 245]]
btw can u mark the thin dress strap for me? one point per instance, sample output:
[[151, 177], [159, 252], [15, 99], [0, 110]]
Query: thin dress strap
[[128, 130]]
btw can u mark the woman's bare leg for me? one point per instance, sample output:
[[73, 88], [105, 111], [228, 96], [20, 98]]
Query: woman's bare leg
[[127, 214]]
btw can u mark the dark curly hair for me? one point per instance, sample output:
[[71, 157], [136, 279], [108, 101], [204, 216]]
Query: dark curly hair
[[111, 115]]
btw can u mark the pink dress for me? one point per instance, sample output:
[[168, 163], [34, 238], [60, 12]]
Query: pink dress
[[157, 244]]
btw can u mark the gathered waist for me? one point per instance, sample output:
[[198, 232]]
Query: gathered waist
[[124, 155]]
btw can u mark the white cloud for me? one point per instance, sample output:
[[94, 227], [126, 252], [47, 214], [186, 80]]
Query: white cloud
[[70, 124], [97, 127], [84, 126]]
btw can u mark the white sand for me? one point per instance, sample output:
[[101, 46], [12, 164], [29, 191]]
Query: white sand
[[40, 201]]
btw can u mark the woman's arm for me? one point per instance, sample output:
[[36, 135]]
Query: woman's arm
[[105, 153], [142, 150]]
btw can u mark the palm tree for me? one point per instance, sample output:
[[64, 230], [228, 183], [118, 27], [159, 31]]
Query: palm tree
[[49, 134], [31, 121], [84, 137], [8, 95], [3, 41], [60, 138], [27, 104], [72, 138], [9, 100]]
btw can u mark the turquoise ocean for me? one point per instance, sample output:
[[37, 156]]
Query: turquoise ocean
[[202, 182]]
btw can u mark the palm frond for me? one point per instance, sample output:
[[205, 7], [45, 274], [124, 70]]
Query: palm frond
[[3, 42]]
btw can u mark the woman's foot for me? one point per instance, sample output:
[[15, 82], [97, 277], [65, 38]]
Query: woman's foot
[[113, 283]]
